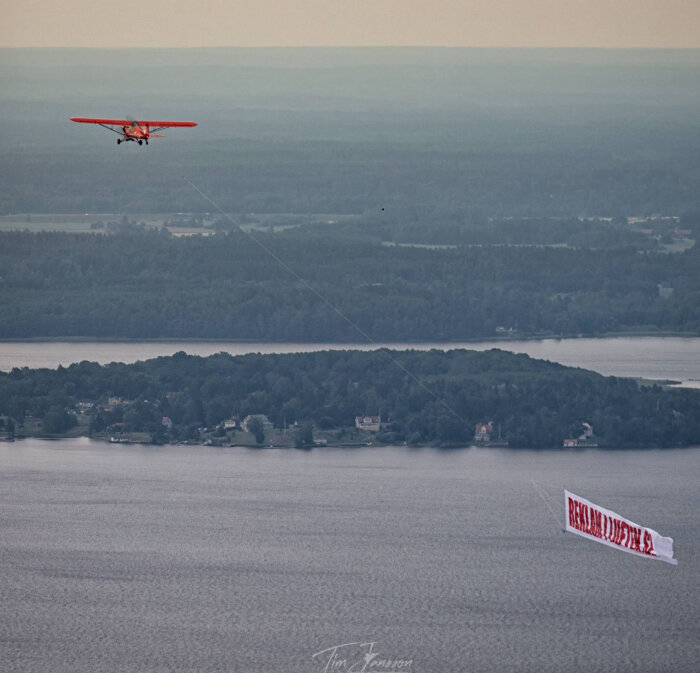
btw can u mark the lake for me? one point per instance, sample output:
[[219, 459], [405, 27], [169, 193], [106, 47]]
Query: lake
[[674, 358], [188, 559]]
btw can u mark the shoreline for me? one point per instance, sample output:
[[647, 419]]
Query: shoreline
[[341, 446], [495, 339]]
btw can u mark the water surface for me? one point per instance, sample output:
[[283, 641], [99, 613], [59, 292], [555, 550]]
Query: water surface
[[183, 559]]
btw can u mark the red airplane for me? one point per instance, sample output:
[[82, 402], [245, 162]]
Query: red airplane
[[129, 129]]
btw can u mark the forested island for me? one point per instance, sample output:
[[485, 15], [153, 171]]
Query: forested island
[[433, 398], [145, 283]]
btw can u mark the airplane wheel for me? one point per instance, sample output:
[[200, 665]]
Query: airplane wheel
[[119, 140], [140, 142]]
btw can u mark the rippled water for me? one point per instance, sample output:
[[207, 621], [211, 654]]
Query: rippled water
[[135, 559]]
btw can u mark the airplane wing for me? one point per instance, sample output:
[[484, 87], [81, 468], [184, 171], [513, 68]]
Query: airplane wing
[[130, 122], [102, 122], [164, 125]]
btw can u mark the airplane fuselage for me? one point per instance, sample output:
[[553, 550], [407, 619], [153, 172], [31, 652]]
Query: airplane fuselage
[[136, 133]]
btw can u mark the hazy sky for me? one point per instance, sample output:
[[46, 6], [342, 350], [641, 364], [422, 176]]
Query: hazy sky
[[477, 23]]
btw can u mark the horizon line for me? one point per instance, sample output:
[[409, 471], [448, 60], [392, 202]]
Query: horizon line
[[371, 46]]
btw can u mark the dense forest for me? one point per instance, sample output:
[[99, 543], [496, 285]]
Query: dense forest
[[313, 176], [148, 284], [433, 397], [423, 227]]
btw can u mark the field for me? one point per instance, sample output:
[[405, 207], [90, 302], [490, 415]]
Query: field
[[179, 224], [70, 223]]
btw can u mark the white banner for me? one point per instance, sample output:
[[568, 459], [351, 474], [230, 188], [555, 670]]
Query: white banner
[[602, 525]]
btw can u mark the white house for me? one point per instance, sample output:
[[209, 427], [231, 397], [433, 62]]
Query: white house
[[369, 423], [482, 432]]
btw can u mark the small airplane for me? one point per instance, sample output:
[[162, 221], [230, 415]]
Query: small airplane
[[130, 129]]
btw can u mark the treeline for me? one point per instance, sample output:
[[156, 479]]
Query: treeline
[[430, 397], [312, 176], [147, 284], [415, 227]]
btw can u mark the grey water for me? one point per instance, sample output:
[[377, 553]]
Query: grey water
[[184, 559], [674, 358]]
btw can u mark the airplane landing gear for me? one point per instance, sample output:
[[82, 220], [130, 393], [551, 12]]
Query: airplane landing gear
[[119, 140], [140, 142]]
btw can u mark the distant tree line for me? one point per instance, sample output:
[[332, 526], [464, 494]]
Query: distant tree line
[[146, 284], [431, 397], [526, 176], [413, 227]]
